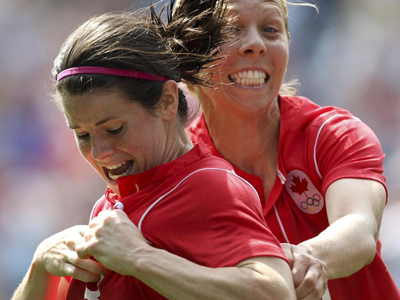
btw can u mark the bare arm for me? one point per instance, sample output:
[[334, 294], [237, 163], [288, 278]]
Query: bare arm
[[37, 285], [176, 278], [56, 257], [119, 246], [354, 209]]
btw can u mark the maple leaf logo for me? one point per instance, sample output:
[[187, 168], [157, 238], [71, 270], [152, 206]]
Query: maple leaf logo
[[299, 186]]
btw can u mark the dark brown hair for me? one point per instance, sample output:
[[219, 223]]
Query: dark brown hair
[[142, 42]]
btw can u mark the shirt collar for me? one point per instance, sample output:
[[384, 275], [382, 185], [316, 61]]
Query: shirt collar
[[132, 184], [257, 182]]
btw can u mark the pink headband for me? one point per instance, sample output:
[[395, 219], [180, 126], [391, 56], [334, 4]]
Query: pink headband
[[109, 71]]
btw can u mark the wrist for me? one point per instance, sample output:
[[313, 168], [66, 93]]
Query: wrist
[[38, 266], [37, 269], [314, 247]]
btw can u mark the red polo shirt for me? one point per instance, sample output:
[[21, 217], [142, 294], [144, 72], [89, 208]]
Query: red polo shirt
[[195, 207], [317, 146]]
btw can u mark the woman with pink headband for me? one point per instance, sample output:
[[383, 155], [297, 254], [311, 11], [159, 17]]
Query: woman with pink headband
[[175, 222]]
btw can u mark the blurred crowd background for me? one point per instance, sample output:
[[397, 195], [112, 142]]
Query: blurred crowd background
[[347, 55]]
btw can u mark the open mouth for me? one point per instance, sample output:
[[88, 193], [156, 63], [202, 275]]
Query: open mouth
[[119, 170], [249, 78]]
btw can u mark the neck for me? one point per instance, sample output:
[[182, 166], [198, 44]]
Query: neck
[[180, 144], [249, 142]]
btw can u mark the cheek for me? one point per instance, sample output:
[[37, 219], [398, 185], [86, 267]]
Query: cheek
[[280, 54], [84, 149], [216, 73]]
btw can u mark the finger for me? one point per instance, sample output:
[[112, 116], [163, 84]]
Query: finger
[[81, 229], [316, 293], [311, 285], [88, 264], [83, 250], [81, 274], [75, 240], [94, 222], [299, 270], [88, 236]]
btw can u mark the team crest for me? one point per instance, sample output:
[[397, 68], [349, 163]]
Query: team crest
[[303, 192]]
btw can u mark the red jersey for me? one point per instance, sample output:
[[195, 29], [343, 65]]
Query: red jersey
[[195, 207], [317, 146]]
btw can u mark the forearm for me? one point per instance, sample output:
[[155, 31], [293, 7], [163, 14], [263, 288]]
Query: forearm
[[177, 278], [345, 246], [37, 285]]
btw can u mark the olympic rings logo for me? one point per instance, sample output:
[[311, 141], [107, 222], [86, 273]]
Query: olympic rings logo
[[311, 201]]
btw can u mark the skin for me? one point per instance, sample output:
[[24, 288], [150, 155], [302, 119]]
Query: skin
[[104, 124], [244, 124], [261, 44], [237, 115], [56, 256]]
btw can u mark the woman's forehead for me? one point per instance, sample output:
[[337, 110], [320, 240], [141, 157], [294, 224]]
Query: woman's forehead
[[238, 7], [281, 3]]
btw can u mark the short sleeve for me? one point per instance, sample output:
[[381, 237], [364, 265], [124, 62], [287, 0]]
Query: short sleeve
[[347, 148], [213, 219]]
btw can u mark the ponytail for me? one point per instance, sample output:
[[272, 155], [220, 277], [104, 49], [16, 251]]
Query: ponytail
[[194, 32]]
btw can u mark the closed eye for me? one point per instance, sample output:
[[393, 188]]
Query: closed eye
[[82, 137], [116, 131]]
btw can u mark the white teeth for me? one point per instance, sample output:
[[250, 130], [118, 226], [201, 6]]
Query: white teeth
[[251, 78], [116, 166], [115, 177]]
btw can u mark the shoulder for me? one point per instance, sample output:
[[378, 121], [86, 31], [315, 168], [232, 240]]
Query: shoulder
[[219, 187], [300, 113], [303, 117]]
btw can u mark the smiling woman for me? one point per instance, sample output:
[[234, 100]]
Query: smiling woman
[[175, 222], [119, 137], [259, 31], [318, 170]]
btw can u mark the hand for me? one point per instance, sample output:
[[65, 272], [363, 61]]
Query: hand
[[309, 273], [112, 239], [57, 256]]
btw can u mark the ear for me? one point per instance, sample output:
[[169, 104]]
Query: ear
[[168, 106]]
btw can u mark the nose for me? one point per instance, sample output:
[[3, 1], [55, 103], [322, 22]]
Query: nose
[[101, 148], [253, 43]]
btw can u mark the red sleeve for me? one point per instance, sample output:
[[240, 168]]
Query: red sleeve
[[348, 148], [214, 219]]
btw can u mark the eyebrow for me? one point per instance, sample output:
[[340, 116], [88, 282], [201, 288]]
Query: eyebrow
[[96, 124], [268, 10]]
